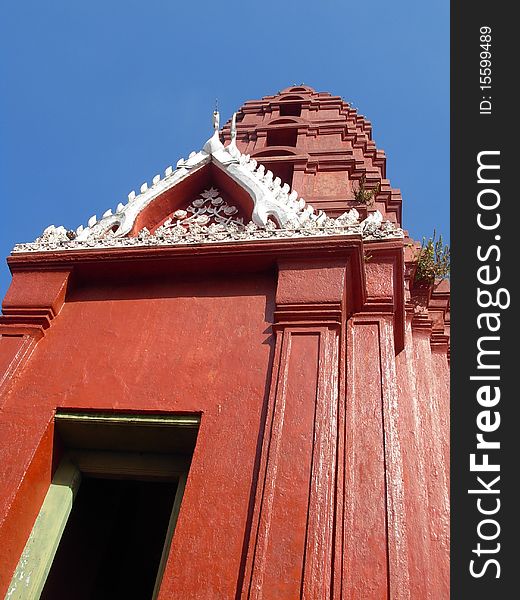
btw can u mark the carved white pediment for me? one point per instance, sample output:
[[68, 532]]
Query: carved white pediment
[[277, 211]]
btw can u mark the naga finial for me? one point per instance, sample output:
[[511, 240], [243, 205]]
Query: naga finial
[[216, 116], [214, 143]]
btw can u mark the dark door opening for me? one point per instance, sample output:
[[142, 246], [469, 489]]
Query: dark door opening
[[112, 544]]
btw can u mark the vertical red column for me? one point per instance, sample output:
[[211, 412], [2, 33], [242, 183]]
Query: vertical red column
[[291, 552], [375, 547], [32, 301], [434, 430], [414, 473]]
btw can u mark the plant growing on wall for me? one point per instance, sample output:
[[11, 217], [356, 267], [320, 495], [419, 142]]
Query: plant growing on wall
[[364, 195], [433, 260]]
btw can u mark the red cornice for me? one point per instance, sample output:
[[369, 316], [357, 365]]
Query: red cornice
[[124, 263]]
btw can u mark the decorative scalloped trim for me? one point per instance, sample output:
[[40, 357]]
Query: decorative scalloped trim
[[348, 224]]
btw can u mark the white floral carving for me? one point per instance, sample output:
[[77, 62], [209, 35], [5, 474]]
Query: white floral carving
[[209, 208], [53, 237]]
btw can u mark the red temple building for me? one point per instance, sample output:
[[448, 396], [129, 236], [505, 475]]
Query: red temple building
[[225, 389]]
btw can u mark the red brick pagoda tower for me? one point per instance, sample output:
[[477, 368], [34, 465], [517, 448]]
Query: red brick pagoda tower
[[229, 389]]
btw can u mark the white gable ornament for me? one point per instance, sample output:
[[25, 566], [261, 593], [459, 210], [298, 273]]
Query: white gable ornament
[[278, 212]]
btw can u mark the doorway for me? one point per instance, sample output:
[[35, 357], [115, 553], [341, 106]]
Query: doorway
[[112, 544], [107, 521]]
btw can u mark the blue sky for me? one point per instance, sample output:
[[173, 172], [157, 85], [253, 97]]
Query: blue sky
[[100, 96]]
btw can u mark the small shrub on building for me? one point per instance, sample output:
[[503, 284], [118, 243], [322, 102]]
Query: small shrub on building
[[433, 260]]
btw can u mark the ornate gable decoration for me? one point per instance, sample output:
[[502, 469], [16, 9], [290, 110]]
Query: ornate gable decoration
[[278, 211], [210, 208]]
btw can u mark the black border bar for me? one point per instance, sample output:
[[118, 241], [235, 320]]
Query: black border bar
[[483, 128]]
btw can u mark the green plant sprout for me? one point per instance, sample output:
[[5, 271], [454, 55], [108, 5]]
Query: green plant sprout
[[363, 195], [433, 261]]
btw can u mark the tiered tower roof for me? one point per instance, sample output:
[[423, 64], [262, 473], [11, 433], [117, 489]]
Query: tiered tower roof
[[321, 146]]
